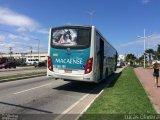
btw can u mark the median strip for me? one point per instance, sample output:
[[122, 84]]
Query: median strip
[[21, 76], [125, 95]]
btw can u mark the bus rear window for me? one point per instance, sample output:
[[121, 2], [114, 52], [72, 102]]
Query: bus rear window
[[70, 37]]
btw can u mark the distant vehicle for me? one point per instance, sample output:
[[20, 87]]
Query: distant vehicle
[[122, 63], [119, 65], [80, 53], [8, 65], [31, 61]]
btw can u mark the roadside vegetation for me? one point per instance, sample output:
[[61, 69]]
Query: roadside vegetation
[[150, 55], [124, 95]]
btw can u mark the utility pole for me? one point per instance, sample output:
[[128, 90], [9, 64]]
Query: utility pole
[[31, 51], [10, 51]]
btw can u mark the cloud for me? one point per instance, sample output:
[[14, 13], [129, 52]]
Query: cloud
[[14, 37], [22, 22], [2, 38], [17, 47], [137, 46], [44, 31], [130, 43], [21, 32], [146, 1], [18, 37], [153, 40]]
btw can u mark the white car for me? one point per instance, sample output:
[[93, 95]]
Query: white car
[[119, 65], [31, 61]]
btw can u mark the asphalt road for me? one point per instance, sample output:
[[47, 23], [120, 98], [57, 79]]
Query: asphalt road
[[41, 95]]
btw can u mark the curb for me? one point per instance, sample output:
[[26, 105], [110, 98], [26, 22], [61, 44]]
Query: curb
[[20, 78]]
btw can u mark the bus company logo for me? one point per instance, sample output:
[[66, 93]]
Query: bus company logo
[[68, 51], [75, 60]]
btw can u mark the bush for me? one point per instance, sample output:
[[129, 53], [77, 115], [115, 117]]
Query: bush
[[40, 64]]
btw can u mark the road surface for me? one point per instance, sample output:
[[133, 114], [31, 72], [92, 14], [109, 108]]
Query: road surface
[[43, 95]]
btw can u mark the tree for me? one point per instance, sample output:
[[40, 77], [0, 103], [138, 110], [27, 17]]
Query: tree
[[150, 53], [130, 58], [158, 52]]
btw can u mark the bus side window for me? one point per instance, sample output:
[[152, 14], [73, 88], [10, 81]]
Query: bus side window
[[97, 43]]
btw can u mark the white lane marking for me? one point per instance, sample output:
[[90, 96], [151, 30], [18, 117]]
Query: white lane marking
[[32, 88], [73, 105], [85, 96]]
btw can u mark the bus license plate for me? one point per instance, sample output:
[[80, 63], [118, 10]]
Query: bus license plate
[[68, 71]]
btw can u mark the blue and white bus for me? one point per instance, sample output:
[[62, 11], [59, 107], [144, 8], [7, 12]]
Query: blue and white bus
[[80, 53]]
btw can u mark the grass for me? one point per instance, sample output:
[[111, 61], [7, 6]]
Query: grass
[[125, 95], [22, 75]]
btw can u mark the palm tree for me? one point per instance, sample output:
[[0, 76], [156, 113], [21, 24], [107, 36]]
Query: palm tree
[[130, 58], [150, 53], [158, 52]]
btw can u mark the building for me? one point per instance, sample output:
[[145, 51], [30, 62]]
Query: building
[[121, 58], [42, 56]]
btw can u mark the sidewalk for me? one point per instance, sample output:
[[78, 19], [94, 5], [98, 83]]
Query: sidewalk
[[148, 83]]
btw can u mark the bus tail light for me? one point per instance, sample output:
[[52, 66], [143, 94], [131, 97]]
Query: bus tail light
[[88, 68], [50, 65]]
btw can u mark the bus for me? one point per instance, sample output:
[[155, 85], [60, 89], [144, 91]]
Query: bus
[[80, 53]]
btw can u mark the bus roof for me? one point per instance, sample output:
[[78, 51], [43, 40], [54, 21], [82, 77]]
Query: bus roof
[[72, 26]]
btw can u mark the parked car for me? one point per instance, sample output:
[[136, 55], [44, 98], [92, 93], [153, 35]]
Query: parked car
[[8, 65]]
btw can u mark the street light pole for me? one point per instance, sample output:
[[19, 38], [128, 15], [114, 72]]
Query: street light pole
[[144, 37], [38, 50], [144, 47], [91, 15]]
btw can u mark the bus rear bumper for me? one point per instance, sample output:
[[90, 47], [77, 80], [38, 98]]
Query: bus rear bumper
[[87, 78]]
